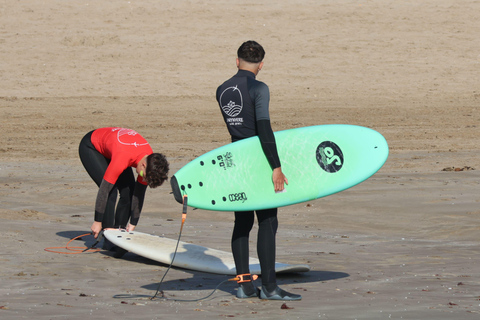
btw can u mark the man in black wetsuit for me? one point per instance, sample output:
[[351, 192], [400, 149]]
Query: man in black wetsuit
[[244, 103]]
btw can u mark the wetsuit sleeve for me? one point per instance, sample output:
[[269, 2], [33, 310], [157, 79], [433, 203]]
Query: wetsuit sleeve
[[137, 202], [267, 140], [102, 198], [261, 97]]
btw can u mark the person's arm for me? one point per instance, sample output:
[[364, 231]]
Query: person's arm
[[261, 96], [137, 204], [269, 146], [100, 205], [267, 140]]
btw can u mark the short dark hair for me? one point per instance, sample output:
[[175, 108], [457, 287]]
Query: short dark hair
[[157, 170], [251, 51]]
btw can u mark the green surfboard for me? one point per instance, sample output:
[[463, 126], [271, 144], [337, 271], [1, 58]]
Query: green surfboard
[[318, 161]]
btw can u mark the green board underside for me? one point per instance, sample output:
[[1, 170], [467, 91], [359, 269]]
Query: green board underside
[[318, 161]]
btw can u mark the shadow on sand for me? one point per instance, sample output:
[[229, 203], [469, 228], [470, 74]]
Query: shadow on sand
[[202, 281]]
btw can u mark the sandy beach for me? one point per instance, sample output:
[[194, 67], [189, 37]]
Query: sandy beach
[[404, 244]]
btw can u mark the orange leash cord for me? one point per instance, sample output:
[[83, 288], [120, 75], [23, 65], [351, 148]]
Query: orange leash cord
[[75, 250]]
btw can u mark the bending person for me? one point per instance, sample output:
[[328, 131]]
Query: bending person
[[108, 155]]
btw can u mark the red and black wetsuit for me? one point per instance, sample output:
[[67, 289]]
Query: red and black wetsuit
[[108, 155]]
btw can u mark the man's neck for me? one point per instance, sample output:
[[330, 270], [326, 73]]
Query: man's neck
[[252, 67]]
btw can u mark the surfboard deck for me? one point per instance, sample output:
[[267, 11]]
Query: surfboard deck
[[189, 256], [318, 161]]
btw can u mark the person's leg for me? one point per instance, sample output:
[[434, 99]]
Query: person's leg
[[96, 164], [93, 161], [243, 225], [267, 230], [266, 249], [125, 185]]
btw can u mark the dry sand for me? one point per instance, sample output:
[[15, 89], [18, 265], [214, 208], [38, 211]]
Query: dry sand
[[402, 245]]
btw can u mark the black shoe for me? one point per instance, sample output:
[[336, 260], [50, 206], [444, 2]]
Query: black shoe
[[278, 294], [107, 245], [119, 252], [247, 291]]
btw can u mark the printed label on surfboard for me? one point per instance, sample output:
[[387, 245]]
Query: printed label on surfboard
[[329, 156], [225, 161], [239, 196]]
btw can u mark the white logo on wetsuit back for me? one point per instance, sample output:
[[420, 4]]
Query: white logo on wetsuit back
[[131, 133], [232, 102]]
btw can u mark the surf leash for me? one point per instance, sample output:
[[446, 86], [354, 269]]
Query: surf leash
[[184, 217], [239, 278], [77, 250], [94, 246]]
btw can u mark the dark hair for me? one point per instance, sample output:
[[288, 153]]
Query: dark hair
[[157, 170], [251, 51]]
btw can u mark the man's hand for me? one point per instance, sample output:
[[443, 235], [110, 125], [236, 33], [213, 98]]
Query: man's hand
[[130, 227], [96, 228], [279, 179]]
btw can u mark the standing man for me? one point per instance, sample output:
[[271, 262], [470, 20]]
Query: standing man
[[108, 155], [244, 104]]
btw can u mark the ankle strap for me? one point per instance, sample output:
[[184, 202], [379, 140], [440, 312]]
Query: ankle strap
[[246, 277]]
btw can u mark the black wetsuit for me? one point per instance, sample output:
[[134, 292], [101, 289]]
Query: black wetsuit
[[244, 103]]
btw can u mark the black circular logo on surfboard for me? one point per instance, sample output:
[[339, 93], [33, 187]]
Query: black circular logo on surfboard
[[329, 156]]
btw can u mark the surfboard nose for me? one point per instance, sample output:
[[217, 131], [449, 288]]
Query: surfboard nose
[[176, 190]]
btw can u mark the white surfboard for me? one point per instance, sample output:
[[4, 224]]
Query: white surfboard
[[189, 256]]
